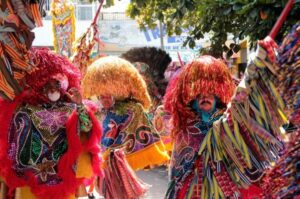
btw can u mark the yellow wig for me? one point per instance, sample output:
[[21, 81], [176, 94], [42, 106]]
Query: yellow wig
[[115, 77]]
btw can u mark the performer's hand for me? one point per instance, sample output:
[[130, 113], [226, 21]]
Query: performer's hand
[[270, 46], [74, 95]]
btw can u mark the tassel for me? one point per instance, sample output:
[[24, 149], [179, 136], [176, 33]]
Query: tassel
[[36, 14], [119, 174]]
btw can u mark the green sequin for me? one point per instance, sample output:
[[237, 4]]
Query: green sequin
[[60, 150], [84, 119], [25, 151], [36, 148]]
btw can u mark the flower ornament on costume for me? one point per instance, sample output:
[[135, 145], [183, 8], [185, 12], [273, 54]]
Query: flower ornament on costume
[[53, 120], [45, 168]]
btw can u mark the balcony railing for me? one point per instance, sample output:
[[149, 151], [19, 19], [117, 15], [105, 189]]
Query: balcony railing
[[85, 11]]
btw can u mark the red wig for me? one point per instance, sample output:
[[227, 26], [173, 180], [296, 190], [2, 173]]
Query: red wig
[[205, 75], [48, 65]]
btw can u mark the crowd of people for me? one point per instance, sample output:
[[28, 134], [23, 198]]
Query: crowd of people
[[67, 132]]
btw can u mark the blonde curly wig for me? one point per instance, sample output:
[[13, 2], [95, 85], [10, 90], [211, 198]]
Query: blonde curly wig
[[115, 77]]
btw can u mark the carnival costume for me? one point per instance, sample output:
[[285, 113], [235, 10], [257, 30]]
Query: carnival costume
[[217, 154], [17, 18], [282, 180], [125, 125], [48, 148], [152, 63]]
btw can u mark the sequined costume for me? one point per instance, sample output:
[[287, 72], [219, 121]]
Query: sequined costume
[[48, 149], [126, 123], [129, 139], [152, 63], [228, 151]]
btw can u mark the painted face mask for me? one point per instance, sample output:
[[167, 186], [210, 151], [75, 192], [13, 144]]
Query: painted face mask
[[54, 96]]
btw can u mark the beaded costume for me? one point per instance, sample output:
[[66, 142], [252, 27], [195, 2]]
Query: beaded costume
[[152, 63], [127, 131], [126, 124], [227, 151], [48, 149]]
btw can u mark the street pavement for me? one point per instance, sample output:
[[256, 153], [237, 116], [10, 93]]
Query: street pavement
[[158, 179]]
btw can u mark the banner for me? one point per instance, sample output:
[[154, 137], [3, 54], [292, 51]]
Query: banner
[[63, 24]]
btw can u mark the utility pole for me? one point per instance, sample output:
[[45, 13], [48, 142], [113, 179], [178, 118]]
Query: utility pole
[[161, 34]]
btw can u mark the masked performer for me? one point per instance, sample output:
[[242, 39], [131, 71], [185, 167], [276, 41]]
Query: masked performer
[[49, 139], [124, 97], [218, 150]]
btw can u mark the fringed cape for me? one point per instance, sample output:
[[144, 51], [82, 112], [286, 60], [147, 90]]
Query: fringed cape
[[239, 144]]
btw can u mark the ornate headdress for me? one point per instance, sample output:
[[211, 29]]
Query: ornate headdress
[[115, 77], [49, 65], [205, 75]]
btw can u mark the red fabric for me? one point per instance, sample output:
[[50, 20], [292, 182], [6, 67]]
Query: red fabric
[[184, 190], [120, 180], [92, 145], [169, 94], [253, 192], [69, 182], [7, 111]]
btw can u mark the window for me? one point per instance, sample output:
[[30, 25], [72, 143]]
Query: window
[[84, 12]]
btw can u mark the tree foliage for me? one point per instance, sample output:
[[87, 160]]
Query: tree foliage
[[242, 18]]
